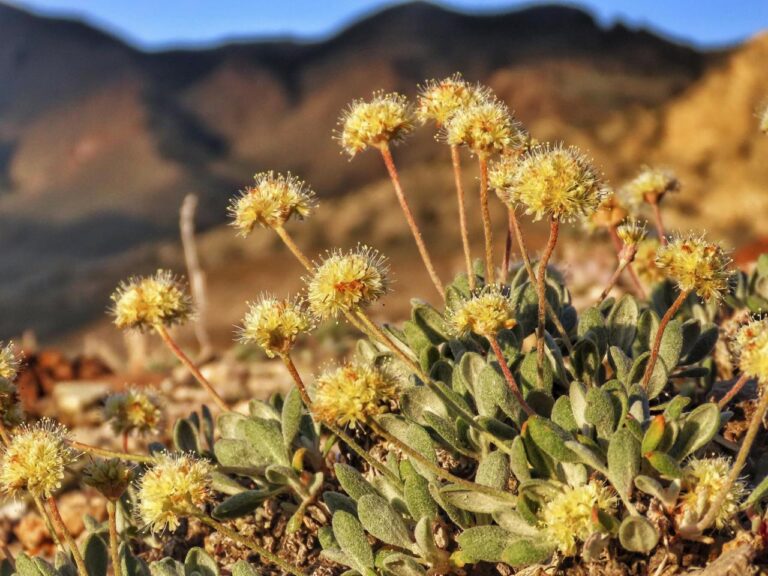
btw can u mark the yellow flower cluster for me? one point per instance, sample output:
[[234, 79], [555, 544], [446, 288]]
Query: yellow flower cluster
[[354, 392], [485, 313], [110, 477], [173, 488], [485, 128], [384, 119], [610, 213], [343, 282], [631, 232], [10, 361], [752, 346], [645, 261], [703, 480], [35, 460], [696, 265], [274, 324], [439, 100], [567, 519], [133, 409], [560, 183], [271, 202], [147, 302], [650, 185]]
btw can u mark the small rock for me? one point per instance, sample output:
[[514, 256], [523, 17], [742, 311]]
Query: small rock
[[31, 532], [74, 506], [76, 396]]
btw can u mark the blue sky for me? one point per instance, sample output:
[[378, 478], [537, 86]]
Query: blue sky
[[155, 24]]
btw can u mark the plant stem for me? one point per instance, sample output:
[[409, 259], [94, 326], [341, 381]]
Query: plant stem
[[507, 248], [293, 247], [660, 334], [659, 222], [624, 261], [735, 389], [179, 353], [518, 232], [389, 162], [106, 453], [486, 215], [456, 161], [508, 375], [48, 522], [434, 468], [346, 438], [59, 523], [5, 438], [541, 280], [248, 543], [125, 441], [618, 245], [113, 538], [738, 465]]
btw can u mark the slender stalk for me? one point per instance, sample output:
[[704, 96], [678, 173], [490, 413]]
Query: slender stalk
[[106, 453], [518, 232], [486, 214], [507, 247], [113, 538], [48, 522], [5, 438], [618, 245], [456, 161], [541, 280], [434, 468], [660, 334], [659, 222], [248, 543], [179, 353], [508, 375], [735, 389], [346, 438], [625, 260], [738, 465], [125, 441], [59, 523], [389, 162], [293, 247]]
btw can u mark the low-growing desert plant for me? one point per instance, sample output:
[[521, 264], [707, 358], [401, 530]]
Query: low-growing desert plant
[[498, 425]]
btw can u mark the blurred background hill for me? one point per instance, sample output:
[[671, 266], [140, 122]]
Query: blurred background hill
[[100, 142]]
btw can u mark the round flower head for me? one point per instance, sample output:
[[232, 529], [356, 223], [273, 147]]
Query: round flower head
[[501, 177], [645, 261], [752, 345], [650, 186], [110, 477], [354, 392], [11, 411], [10, 361], [631, 232], [438, 100], [386, 118], [610, 213], [35, 460], [568, 518], [132, 410], [346, 281], [146, 302], [171, 489], [271, 202], [485, 128], [696, 265], [556, 182], [485, 313], [275, 324], [703, 480]]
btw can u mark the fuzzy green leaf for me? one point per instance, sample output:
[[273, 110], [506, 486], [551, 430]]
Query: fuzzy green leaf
[[381, 521], [185, 437], [700, 426], [352, 481], [551, 439], [637, 534], [351, 538], [664, 464], [484, 543], [524, 552], [493, 470], [622, 322], [291, 416], [623, 460], [199, 563]]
